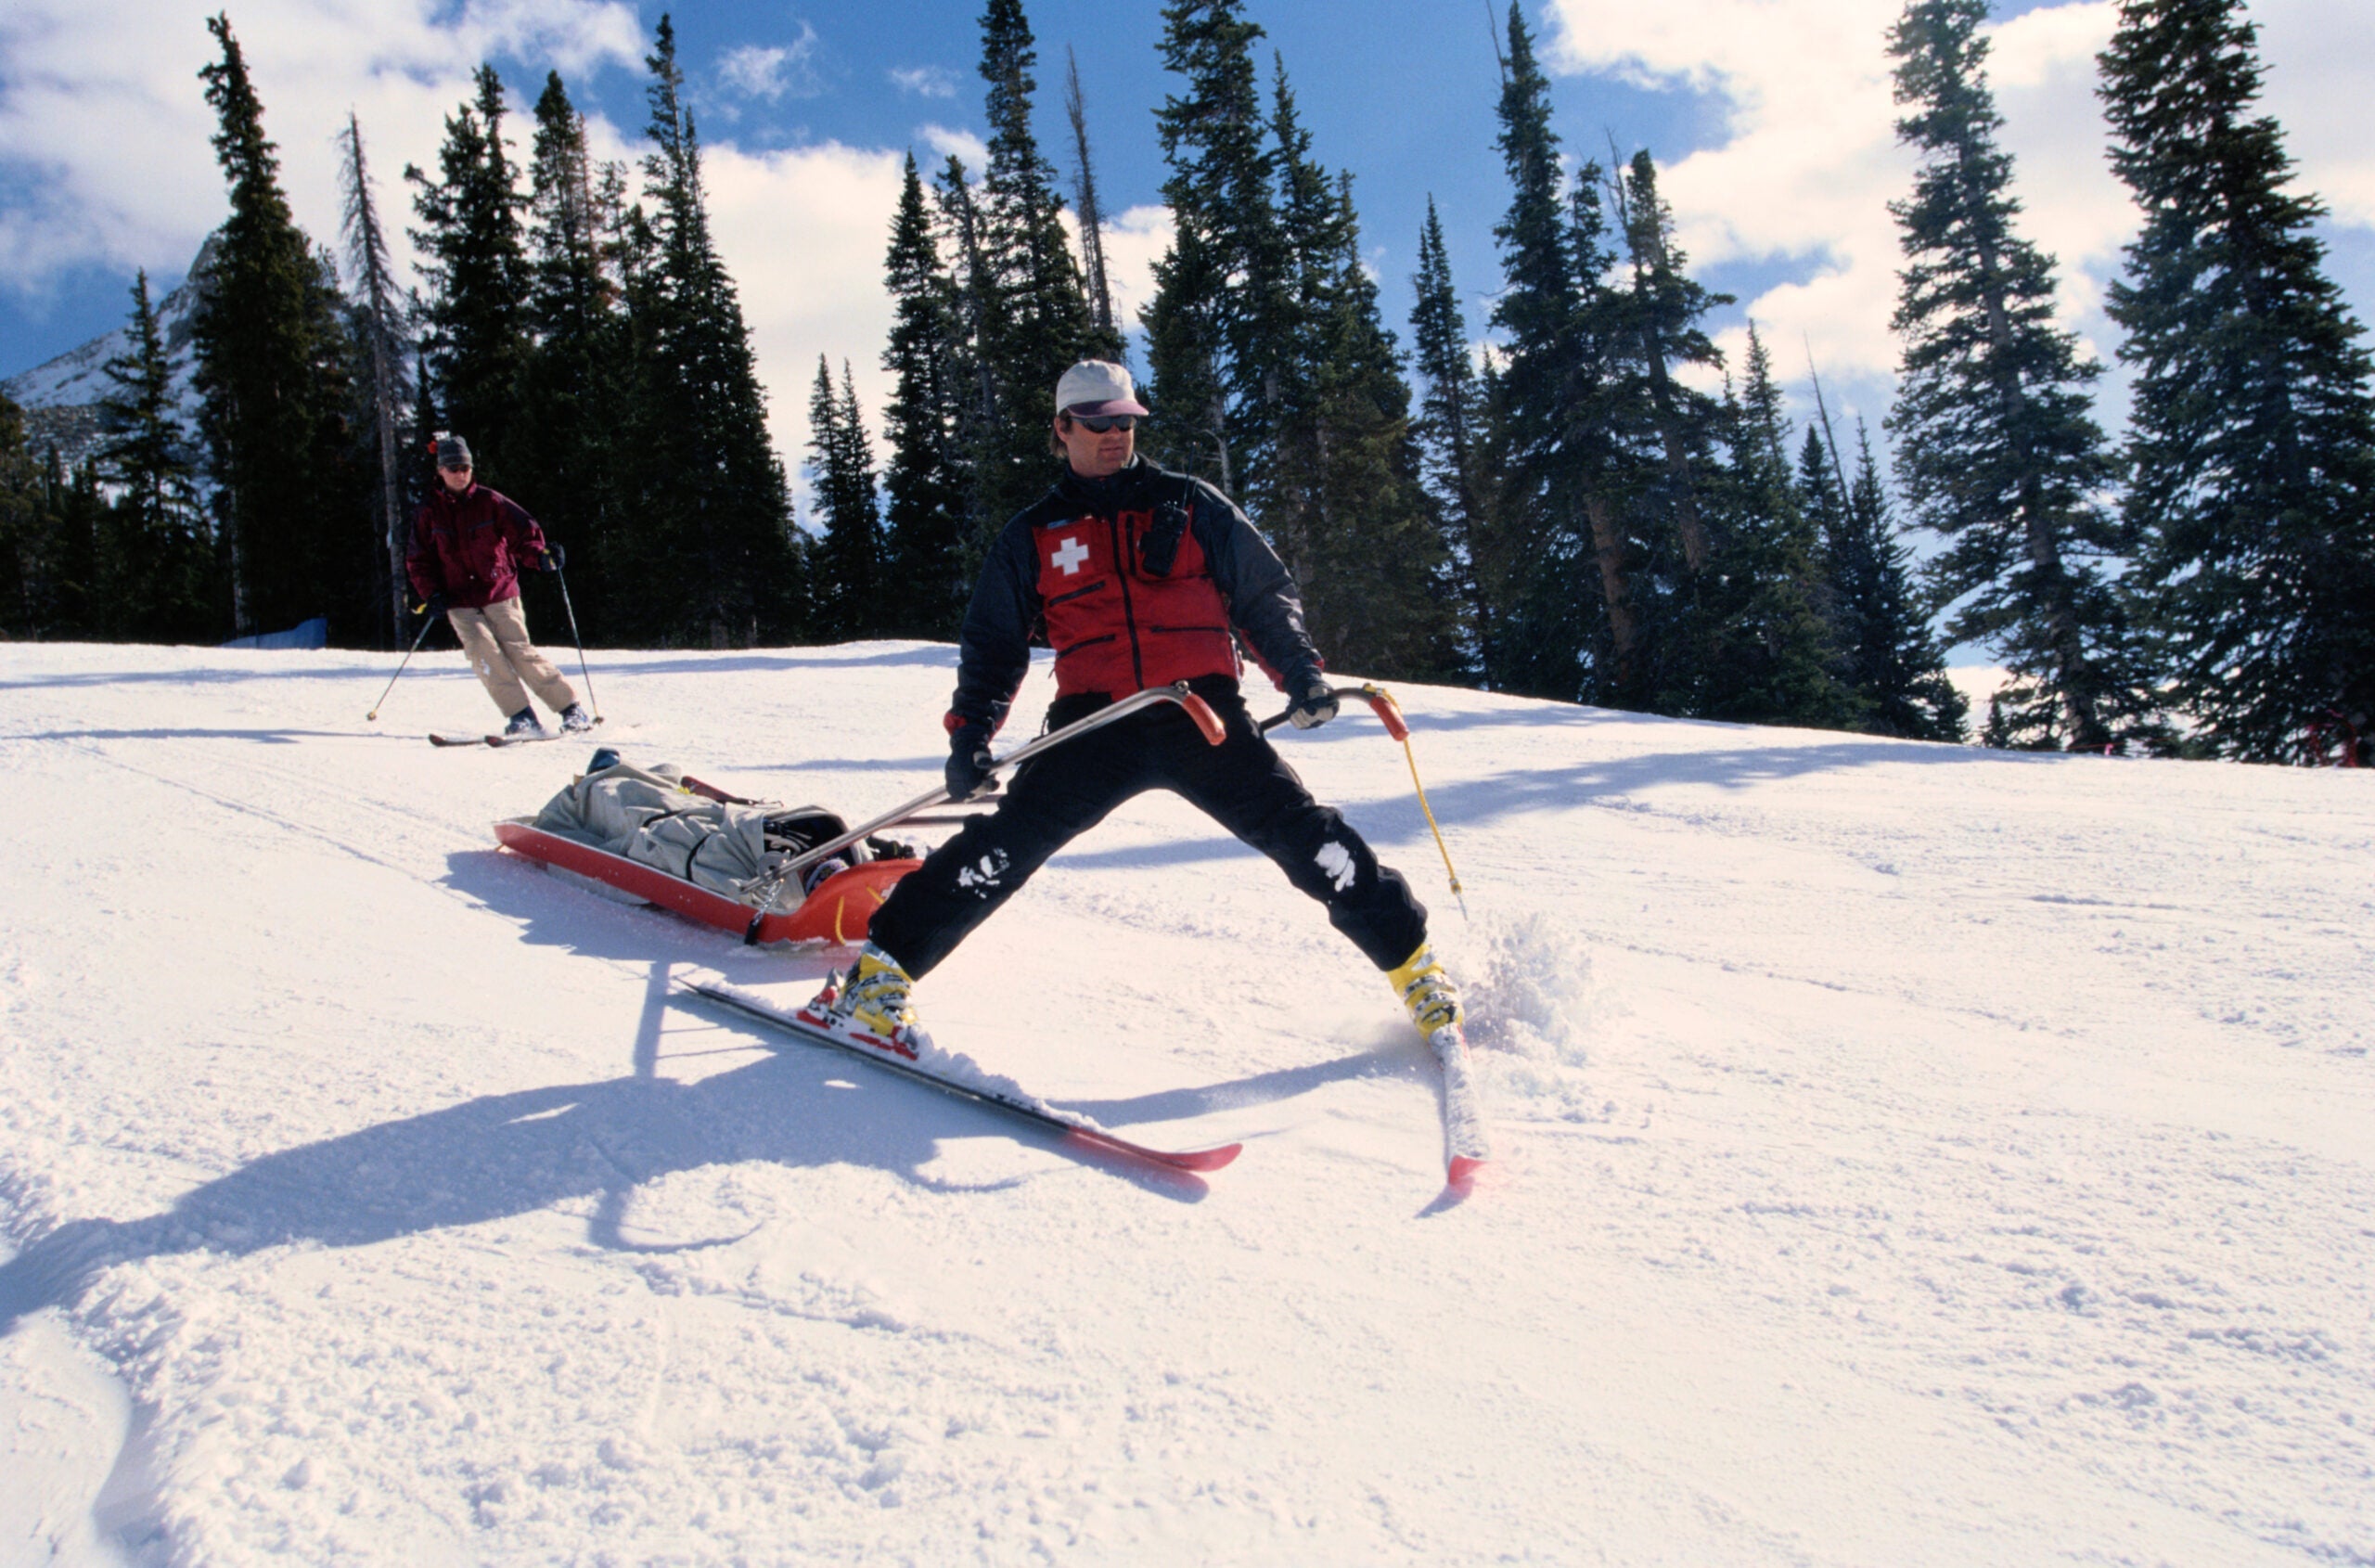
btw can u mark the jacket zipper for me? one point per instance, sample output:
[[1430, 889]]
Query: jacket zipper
[[1129, 614]]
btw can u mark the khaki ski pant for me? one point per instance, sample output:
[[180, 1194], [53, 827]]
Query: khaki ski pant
[[496, 639]]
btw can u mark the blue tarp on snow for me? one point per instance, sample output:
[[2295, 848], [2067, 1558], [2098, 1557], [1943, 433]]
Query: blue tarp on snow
[[305, 634]]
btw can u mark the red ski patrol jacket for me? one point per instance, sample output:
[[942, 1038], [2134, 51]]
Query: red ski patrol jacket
[[470, 547], [1138, 580]]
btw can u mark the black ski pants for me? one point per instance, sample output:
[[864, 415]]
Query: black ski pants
[[1242, 783]]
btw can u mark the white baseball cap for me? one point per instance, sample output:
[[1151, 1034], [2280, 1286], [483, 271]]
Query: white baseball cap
[[1097, 386]]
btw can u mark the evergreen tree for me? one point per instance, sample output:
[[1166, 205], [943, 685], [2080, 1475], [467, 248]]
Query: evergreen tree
[[1664, 310], [476, 264], [381, 366], [713, 552], [1343, 502], [272, 359], [925, 553], [847, 584], [979, 434], [1996, 450], [1563, 579], [2253, 443], [1890, 658], [156, 564], [48, 539], [572, 387], [1042, 324], [1449, 431], [1092, 217], [1755, 646], [1223, 316]]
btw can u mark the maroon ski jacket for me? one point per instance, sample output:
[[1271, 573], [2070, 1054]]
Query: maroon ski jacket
[[470, 547]]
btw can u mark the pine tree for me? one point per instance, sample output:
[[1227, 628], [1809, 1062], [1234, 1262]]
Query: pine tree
[[156, 564], [1222, 314], [1890, 658], [1449, 431], [272, 360], [378, 333], [1996, 450], [714, 554], [1042, 323], [571, 393], [924, 356], [847, 573], [978, 435], [2253, 443], [1755, 646], [1564, 581], [475, 261], [1092, 218], [1664, 310]]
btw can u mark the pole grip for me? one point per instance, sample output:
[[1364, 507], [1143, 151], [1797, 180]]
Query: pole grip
[[1388, 711], [1206, 720]]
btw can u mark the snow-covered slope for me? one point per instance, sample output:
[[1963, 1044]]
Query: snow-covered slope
[[1910, 1156]]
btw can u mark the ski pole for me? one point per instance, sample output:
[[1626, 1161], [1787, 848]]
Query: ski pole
[[1389, 714], [768, 887], [578, 643], [426, 621]]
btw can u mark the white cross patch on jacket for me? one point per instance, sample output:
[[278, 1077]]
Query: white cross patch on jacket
[[1069, 556]]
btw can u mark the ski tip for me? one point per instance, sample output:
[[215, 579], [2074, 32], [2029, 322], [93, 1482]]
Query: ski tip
[[1462, 1170], [1178, 1160], [1207, 1159]]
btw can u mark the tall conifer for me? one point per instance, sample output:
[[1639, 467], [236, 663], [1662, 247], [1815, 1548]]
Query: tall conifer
[[1996, 448], [2252, 442], [272, 360], [921, 482], [157, 561], [714, 553], [475, 259], [566, 448], [846, 578], [1570, 619], [1449, 433], [378, 330]]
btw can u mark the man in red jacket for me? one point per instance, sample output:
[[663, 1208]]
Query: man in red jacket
[[467, 544], [1139, 577]]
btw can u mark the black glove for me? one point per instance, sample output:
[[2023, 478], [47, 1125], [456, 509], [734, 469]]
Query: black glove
[[433, 605], [1313, 704], [552, 559], [968, 762]]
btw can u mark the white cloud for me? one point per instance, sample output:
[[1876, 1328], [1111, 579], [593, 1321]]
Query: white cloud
[[1809, 158], [105, 159], [945, 142], [1134, 243], [771, 70], [104, 128], [925, 82]]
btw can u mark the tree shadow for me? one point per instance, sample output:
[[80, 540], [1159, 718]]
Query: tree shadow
[[267, 736]]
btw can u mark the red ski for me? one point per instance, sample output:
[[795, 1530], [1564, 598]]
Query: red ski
[[953, 1075]]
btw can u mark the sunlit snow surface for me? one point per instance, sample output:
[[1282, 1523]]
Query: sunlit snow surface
[[1905, 1154]]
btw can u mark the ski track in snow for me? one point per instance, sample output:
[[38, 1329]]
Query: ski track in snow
[[1906, 1154]]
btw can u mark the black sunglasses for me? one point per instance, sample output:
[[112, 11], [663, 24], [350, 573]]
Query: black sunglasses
[[1100, 423]]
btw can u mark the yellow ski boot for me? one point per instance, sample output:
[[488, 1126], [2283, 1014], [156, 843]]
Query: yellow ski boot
[[1427, 992]]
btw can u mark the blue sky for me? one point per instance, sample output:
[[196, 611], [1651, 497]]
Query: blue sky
[[1772, 123]]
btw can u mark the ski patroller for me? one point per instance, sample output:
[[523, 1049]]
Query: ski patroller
[[957, 1075]]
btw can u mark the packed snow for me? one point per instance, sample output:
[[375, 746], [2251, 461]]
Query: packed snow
[[1904, 1154]]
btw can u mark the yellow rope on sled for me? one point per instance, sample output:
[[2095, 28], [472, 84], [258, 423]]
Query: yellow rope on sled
[[1381, 699]]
